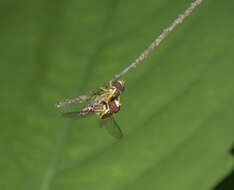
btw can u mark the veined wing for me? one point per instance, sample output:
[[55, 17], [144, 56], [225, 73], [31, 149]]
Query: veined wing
[[112, 127]]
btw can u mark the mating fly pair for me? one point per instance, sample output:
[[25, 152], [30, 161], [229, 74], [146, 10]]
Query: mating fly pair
[[104, 104]]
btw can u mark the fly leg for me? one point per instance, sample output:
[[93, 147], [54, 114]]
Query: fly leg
[[104, 112], [108, 92], [112, 91], [110, 83], [101, 110], [103, 88], [119, 101]]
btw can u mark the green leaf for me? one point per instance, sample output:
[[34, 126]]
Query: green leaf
[[178, 106]]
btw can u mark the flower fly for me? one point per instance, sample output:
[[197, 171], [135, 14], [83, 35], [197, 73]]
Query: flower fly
[[104, 105]]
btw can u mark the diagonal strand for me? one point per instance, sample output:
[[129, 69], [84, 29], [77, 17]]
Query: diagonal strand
[[139, 59], [157, 41]]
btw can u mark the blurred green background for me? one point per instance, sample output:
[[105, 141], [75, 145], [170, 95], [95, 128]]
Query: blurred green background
[[177, 114]]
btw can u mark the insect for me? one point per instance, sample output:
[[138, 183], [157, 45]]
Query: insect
[[105, 104]]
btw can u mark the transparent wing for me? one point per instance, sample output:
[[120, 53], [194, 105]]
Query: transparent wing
[[112, 127], [76, 114]]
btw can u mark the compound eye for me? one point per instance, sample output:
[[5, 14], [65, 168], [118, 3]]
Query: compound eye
[[113, 107], [119, 85]]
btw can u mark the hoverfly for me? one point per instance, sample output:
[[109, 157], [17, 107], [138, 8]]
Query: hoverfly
[[104, 105]]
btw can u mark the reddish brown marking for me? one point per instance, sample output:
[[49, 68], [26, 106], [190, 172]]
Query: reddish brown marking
[[119, 86], [113, 107]]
